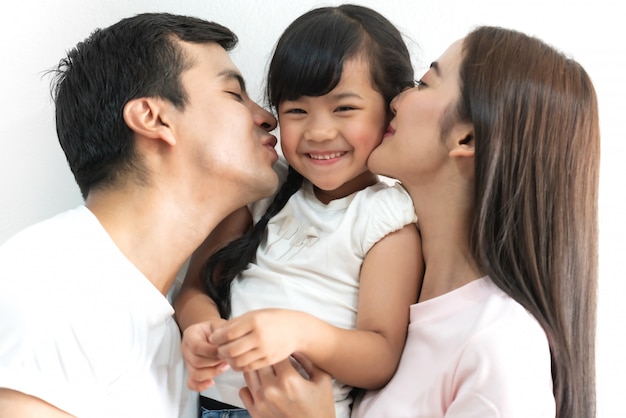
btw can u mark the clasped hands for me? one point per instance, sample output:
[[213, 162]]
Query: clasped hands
[[249, 342], [259, 343]]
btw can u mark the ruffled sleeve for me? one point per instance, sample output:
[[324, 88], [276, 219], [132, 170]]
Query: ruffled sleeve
[[385, 209]]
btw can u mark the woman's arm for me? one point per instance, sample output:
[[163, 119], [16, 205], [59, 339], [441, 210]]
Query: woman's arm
[[365, 357], [196, 313]]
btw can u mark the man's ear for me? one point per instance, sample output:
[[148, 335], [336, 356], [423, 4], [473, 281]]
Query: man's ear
[[146, 116], [463, 145]]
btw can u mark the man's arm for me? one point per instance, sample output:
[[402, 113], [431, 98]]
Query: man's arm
[[196, 313], [193, 305], [18, 404]]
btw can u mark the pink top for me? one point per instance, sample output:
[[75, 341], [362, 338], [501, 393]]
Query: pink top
[[473, 352]]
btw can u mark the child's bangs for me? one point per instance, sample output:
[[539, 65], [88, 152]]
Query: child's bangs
[[309, 62]]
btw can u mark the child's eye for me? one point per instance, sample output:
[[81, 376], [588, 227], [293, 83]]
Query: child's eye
[[420, 84], [344, 108]]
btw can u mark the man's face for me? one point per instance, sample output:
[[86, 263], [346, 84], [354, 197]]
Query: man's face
[[222, 134]]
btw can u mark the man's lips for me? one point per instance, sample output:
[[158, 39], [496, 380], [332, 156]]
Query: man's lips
[[270, 145], [271, 141]]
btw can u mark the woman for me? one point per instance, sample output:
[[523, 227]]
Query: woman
[[498, 146]]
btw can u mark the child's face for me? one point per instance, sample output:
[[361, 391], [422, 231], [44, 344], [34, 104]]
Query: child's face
[[329, 138]]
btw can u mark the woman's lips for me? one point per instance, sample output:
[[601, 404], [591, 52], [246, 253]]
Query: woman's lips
[[389, 132]]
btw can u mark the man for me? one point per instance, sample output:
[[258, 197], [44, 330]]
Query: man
[[164, 143]]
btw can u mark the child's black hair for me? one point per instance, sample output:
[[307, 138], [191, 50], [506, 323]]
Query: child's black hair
[[308, 61]]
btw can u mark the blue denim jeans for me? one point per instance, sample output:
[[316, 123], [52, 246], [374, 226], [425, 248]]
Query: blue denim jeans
[[224, 413]]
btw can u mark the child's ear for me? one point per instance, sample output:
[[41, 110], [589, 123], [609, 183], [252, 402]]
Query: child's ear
[[147, 116], [464, 142]]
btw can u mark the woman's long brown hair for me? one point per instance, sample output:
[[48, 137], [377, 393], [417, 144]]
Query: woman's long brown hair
[[535, 226]]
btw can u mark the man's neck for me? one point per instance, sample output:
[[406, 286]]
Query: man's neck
[[156, 234]]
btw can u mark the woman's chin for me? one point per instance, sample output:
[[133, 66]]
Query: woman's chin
[[377, 162]]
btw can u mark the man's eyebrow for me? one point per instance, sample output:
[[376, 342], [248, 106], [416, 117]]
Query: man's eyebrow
[[232, 74], [435, 66]]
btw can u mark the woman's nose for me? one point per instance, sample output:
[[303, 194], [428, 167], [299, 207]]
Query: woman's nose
[[394, 102]]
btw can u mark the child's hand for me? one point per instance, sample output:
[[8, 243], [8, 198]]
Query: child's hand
[[201, 357], [258, 338]]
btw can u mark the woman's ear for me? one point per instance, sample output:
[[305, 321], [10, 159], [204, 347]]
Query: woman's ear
[[464, 142], [146, 116]]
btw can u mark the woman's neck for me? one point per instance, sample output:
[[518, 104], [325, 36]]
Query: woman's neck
[[445, 232]]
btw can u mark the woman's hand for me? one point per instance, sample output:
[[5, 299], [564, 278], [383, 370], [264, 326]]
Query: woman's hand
[[281, 391]]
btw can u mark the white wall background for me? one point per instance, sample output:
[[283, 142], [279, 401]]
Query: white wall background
[[35, 182]]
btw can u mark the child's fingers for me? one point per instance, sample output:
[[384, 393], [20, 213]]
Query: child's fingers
[[230, 331]]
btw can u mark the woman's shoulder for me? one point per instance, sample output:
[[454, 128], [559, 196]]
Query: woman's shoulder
[[507, 329], [507, 361]]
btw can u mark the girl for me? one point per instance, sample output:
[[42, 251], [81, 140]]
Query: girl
[[499, 147], [332, 263]]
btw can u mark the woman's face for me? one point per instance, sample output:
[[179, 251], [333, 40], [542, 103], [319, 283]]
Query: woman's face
[[413, 146]]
